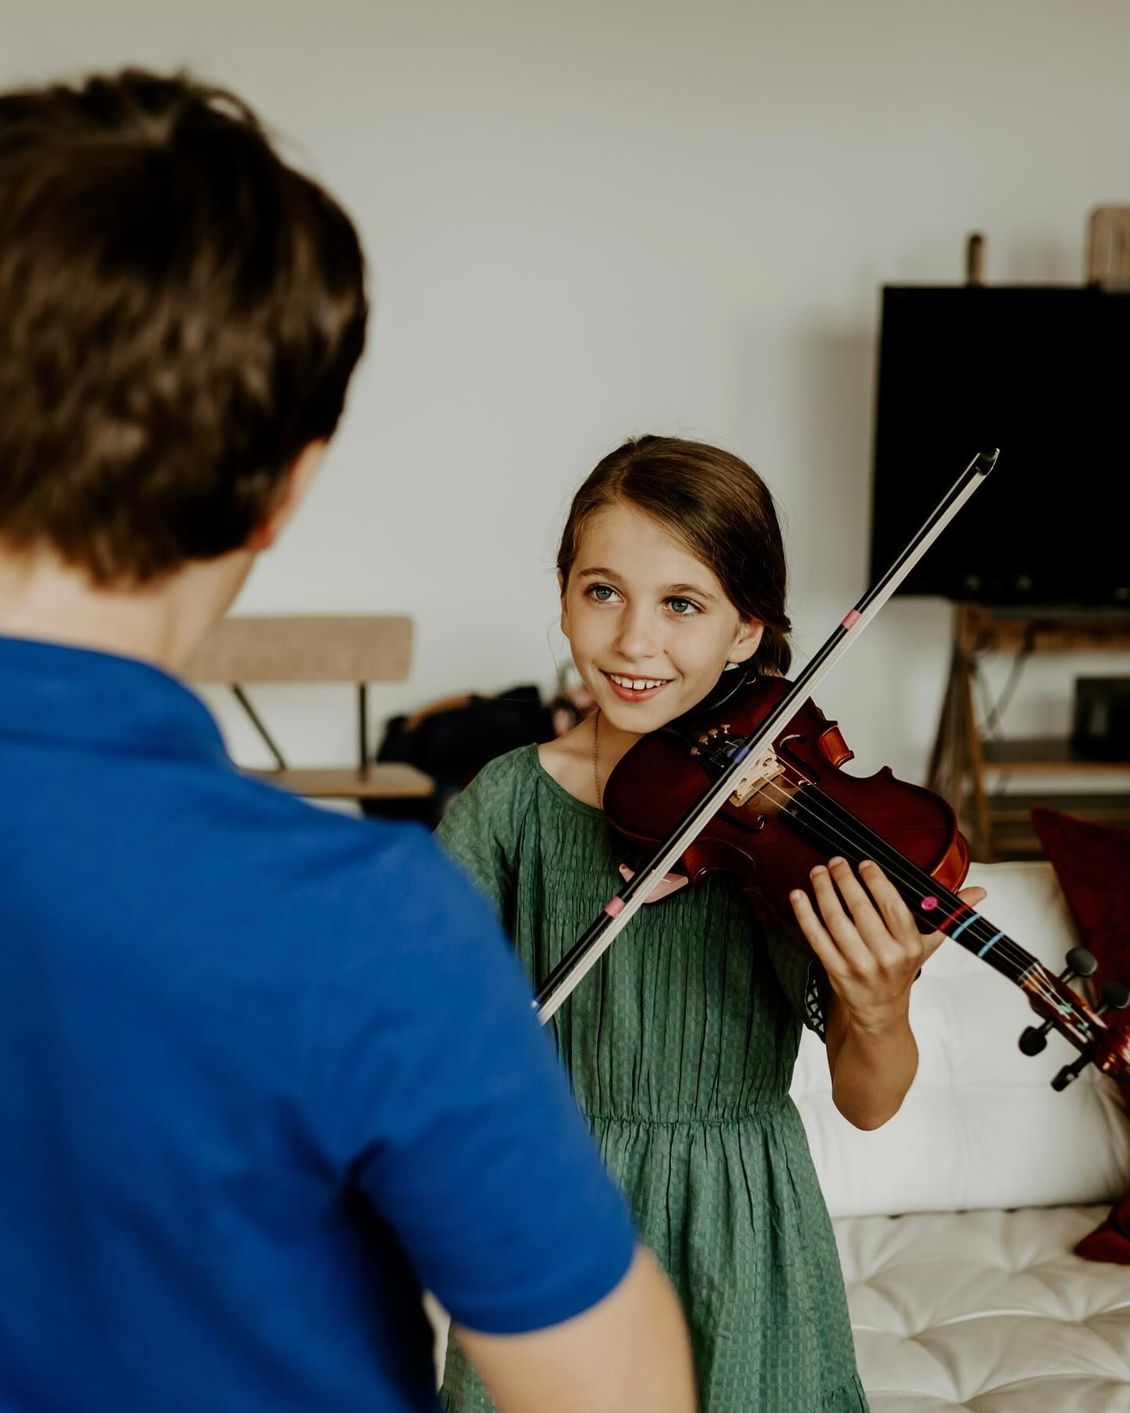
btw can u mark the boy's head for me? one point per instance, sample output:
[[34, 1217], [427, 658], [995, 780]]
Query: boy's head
[[180, 313]]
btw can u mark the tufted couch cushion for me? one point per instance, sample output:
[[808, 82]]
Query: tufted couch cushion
[[987, 1312]]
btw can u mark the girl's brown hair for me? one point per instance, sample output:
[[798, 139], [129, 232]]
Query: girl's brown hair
[[717, 506]]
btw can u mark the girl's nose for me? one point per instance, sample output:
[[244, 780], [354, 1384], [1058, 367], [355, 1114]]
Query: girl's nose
[[637, 638]]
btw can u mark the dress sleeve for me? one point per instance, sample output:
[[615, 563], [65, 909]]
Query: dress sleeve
[[479, 832], [442, 1098], [801, 978]]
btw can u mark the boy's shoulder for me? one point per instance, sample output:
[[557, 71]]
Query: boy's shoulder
[[304, 856]]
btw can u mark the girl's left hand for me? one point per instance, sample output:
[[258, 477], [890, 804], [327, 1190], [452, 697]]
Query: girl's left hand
[[866, 939]]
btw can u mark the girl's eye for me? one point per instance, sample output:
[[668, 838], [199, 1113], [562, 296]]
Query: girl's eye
[[602, 593], [683, 608]]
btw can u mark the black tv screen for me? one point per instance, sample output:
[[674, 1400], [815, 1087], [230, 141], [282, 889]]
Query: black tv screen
[[1041, 372]]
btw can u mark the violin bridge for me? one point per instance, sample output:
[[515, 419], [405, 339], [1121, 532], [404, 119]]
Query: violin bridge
[[717, 750], [762, 772]]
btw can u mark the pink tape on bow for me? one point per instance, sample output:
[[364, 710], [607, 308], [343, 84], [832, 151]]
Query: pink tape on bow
[[668, 884]]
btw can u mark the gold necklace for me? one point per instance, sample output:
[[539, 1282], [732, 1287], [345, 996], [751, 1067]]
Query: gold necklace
[[595, 767]]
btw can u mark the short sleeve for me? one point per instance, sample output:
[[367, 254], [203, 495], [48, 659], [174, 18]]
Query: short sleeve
[[800, 977], [478, 831], [443, 1097]]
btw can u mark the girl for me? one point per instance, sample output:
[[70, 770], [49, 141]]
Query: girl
[[681, 1043]]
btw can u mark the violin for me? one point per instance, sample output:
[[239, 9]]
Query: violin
[[796, 807]]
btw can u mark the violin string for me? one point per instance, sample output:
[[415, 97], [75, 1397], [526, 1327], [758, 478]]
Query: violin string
[[894, 866], [1040, 985], [833, 830], [1024, 964]]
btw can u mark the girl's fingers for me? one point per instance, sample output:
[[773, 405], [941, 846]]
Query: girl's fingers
[[881, 917], [843, 927], [896, 917], [876, 932], [817, 935], [860, 925]]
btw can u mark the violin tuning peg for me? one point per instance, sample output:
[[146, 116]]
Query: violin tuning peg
[[695, 751], [1069, 1074], [1080, 962], [1034, 1038], [1115, 996]]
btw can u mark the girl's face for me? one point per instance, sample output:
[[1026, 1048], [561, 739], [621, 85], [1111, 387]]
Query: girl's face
[[650, 626]]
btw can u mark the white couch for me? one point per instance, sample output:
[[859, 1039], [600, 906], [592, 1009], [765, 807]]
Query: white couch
[[956, 1220]]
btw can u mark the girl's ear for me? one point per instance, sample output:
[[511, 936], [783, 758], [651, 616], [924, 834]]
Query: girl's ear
[[564, 605], [747, 642]]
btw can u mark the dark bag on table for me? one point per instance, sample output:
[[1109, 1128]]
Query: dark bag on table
[[453, 739]]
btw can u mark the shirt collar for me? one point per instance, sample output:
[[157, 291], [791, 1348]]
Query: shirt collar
[[50, 692]]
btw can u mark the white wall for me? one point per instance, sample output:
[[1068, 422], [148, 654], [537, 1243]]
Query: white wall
[[589, 218]]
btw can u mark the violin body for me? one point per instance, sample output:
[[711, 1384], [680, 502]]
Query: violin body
[[769, 841], [796, 808]]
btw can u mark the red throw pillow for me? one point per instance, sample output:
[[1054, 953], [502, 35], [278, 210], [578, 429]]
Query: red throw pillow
[[1092, 864], [1111, 1240]]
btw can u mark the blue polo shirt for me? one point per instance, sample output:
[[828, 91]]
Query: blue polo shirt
[[265, 1072]]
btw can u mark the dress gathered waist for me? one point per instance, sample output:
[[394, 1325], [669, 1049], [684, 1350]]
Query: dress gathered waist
[[777, 1109]]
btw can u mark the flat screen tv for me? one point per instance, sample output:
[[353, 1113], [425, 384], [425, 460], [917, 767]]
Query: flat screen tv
[[1043, 373]]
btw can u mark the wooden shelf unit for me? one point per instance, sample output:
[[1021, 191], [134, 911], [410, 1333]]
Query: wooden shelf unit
[[965, 765]]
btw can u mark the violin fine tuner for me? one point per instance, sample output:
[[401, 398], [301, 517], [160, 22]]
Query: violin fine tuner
[[714, 745], [719, 747]]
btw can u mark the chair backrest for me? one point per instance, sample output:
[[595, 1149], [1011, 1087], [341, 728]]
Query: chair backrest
[[355, 648], [1108, 247]]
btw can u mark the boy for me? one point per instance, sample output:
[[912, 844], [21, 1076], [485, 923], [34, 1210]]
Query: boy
[[264, 1070]]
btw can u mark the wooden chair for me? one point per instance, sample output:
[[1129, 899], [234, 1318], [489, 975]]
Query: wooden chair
[[353, 649], [1108, 247]]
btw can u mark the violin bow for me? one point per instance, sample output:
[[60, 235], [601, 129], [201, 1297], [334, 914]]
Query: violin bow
[[747, 755]]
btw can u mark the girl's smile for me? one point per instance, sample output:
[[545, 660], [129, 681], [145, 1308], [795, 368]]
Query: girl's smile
[[635, 689]]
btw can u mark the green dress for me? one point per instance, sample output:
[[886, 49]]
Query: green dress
[[681, 1044]]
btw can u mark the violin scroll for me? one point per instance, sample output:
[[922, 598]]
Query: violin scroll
[[1080, 962], [1100, 1044]]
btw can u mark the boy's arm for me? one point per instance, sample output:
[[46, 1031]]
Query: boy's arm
[[628, 1352], [443, 1099]]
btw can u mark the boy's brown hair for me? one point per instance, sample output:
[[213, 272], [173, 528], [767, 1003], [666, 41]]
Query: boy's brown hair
[[716, 505], [180, 313]]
